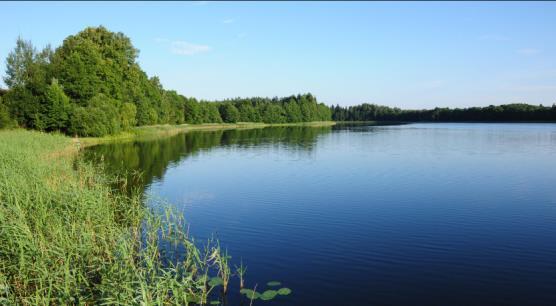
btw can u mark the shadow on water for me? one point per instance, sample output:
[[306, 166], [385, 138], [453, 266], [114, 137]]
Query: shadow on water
[[150, 158]]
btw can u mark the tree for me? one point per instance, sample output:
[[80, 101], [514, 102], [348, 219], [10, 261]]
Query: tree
[[247, 113], [229, 113], [191, 111], [19, 63], [128, 112], [99, 118], [293, 111], [27, 77], [95, 61], [5, 120], [57, 108], [273, 114]]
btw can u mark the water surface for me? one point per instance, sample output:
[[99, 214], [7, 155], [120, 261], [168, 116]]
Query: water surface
[[418, 214]]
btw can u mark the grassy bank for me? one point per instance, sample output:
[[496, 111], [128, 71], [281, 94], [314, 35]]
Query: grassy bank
[[168, 130], [67, 237]]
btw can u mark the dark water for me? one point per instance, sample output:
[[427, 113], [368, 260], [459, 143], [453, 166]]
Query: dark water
[[419, 214]]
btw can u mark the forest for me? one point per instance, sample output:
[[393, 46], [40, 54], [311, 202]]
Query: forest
[[503, 113], [92, 85]]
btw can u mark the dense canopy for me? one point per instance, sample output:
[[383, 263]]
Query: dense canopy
[[92, 85], [506, 113]]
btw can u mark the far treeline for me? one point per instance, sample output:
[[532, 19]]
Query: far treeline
[[92, 85], [518, 112]]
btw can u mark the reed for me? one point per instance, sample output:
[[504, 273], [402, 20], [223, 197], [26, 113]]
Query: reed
[[241, 270], [70, 235]]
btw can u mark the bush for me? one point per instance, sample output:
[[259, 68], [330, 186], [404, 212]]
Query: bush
[[101, 117], [128, 111], [229, 113], [5, 120]]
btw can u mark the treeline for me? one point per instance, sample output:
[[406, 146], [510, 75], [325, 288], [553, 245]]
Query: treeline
[[509, 112], [92, 85], [300, 108]]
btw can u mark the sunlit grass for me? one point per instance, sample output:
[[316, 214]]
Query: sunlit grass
[[68, 237]]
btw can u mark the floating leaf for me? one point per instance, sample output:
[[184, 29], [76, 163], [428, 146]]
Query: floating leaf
[[215, 281], [193, 299], [284, 291], [250, 294], [214, 302], [268, 295], [274, 284]]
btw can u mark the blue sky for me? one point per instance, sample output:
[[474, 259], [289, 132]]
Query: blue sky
[[406, 54]]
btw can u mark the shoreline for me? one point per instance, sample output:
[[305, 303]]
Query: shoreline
[[170, 130]]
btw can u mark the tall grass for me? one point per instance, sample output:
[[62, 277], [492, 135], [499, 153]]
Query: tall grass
[[67, 237]]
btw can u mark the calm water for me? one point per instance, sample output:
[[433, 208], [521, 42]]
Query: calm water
[[419, 214]]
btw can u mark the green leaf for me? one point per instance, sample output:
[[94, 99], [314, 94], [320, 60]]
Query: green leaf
[[215, 281], [214, 302], [250, 294], [274, 283], [284, 291], [268, 295]]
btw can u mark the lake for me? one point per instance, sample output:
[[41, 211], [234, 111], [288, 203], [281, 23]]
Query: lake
[[417, 214]]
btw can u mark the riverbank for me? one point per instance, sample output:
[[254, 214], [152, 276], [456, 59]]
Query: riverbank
[[169, 130], [69, 236]]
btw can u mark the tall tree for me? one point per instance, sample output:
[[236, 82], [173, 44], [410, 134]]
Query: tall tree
[[57, 108]]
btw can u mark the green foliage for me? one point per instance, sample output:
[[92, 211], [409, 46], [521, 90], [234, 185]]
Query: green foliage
[[128, 113], [268, 295], [215, 281], [209, 113], [99, 118], [5, 119], [70, 237], [301, 108], [250, 294], [192, 111], [273, 284], [284, 291], [57, 108], [508, 112], [273, 113], [54, 90], [229, 113], [248, 113]]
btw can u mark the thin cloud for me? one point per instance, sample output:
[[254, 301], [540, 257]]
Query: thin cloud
[[241, 35], [228, 21], [186, 48], [528, 51]]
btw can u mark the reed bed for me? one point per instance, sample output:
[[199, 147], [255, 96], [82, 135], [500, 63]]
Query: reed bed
[[68, 236]]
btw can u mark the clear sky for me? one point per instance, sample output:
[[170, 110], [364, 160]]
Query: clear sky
[[406, 54]]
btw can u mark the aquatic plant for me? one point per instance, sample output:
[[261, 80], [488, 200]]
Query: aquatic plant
[[241, 270], [220, 259], [69, 235]]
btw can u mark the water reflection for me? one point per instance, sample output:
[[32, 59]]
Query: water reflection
[[151, 158]]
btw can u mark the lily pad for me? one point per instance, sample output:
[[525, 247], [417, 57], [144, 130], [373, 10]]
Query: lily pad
[[250, 294], [284, 291], [274, 284], [268, 295], [215, 281]]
